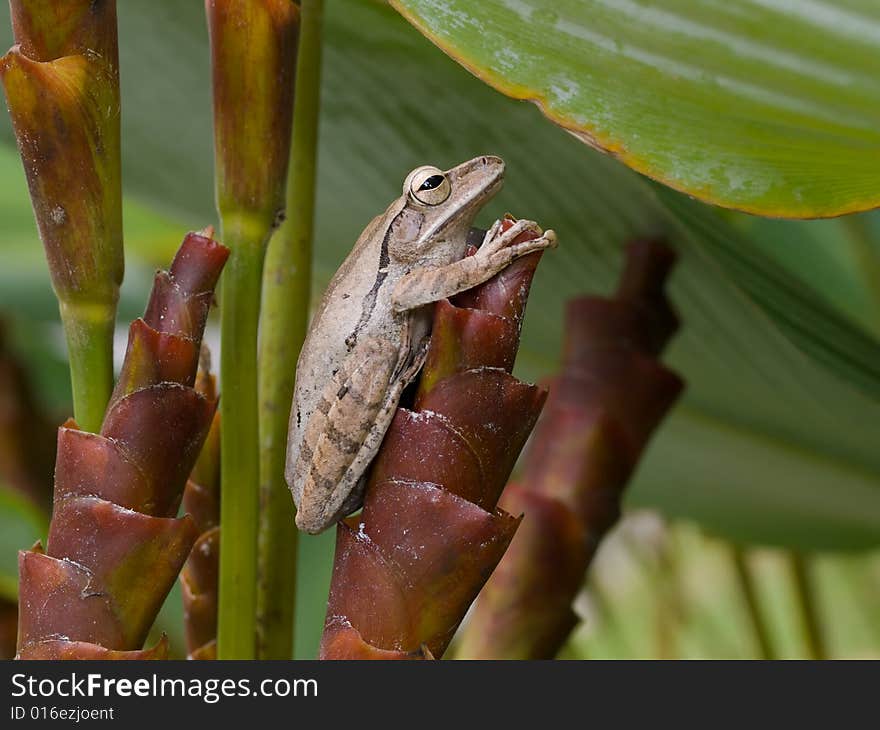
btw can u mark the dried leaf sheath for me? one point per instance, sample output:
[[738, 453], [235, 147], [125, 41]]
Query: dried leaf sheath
[[603, 407], [115, 546], [408, 568]]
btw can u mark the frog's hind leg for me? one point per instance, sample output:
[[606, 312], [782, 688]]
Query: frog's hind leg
[[345, 431], [411, 367]]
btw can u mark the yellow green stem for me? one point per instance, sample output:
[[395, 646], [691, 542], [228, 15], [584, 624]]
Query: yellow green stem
[[88, 328], [747, 588], [239, 442], [284, 320]]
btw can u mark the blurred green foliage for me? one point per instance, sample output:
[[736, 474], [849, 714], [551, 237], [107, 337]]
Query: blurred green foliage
[[669, 591], [22, 525], [776, 440]]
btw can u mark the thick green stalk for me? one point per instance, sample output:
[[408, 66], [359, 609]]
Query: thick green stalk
[[89, 332], [286, 296], [239, 462], [253, 62]]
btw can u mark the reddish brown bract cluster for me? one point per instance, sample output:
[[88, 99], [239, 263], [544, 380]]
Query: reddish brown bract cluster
[[115, 546], [603, 407], [409, 566]]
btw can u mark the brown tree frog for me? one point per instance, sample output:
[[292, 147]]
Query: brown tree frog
[[368, 338]]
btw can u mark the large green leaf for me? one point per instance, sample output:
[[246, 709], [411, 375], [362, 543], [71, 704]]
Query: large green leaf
[[768, 106]]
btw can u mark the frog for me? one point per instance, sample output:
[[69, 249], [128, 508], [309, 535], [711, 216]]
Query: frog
[[369, 336]]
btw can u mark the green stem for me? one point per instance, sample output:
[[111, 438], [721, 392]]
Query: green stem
[[286, 296], [746, 582], [239, 442], [88, 328], [806, 599]]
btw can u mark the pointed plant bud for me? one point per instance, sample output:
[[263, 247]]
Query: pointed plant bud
[[62, 88], [253, 56]]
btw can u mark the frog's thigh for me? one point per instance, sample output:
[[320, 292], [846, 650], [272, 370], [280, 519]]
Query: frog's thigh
[[338, 429], [412, 365]]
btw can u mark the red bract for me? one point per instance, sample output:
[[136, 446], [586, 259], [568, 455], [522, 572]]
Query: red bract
[[199, 576], [115, 546], [429, 536], [603, 407]]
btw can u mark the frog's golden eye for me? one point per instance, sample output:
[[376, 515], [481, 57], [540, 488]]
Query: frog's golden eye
[[430, 186]]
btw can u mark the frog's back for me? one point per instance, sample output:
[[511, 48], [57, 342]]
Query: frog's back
[[339, 315]]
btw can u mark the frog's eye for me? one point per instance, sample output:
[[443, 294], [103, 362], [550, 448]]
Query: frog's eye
[[430, 186]]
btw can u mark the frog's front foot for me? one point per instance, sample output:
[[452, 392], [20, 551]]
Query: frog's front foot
[[497, 240], [516, 250]]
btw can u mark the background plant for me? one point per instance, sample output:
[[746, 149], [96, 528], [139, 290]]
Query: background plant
[[199, 577]]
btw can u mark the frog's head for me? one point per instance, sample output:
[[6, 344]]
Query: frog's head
[[440, 206]]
